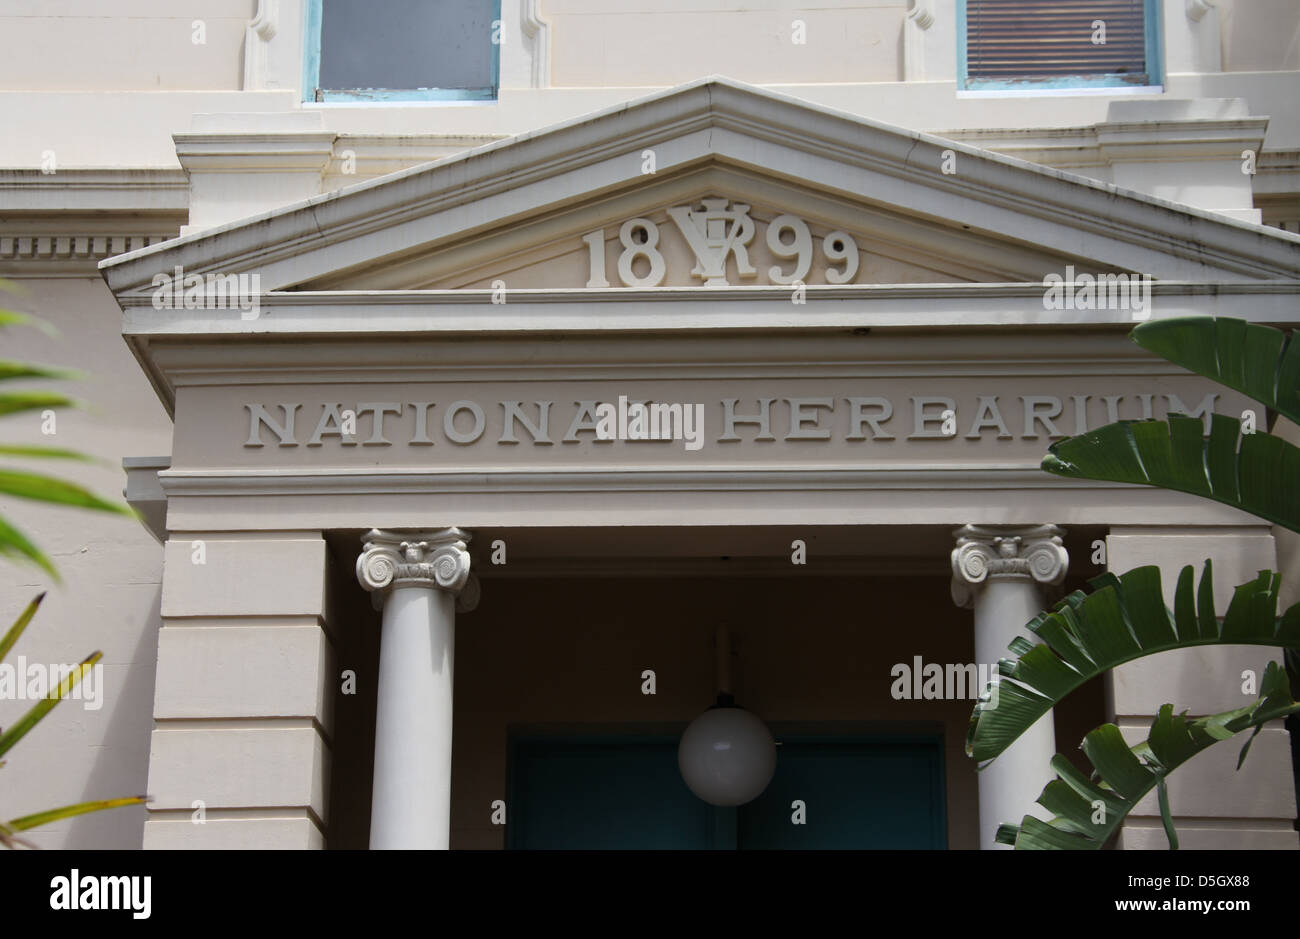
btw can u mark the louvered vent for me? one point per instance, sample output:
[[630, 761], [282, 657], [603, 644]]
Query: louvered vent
[[1042, 40]]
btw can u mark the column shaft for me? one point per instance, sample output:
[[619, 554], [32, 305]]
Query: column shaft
[[411, 800], [1009, 786], [998, 572], [421, 579]]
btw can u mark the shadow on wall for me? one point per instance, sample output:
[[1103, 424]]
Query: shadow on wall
[[121, 763]]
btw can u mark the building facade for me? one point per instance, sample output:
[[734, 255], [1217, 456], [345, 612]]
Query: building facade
[[544, 338]]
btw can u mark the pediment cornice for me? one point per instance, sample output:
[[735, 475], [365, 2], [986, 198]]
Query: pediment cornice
[[329, 332], [719, 123]]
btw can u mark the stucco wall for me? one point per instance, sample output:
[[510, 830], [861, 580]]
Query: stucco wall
[[111, 569], [154, 45], [127, 45], [633, 42], [1260, 35]]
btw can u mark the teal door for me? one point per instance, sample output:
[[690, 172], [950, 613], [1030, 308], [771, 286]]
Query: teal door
[[603, 793], [626, 792]]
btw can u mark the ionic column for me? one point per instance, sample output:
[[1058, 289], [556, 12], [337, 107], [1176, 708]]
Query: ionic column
[[999, 572], [421, 579]]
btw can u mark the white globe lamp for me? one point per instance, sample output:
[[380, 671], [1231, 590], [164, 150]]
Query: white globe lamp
[[727, 755]]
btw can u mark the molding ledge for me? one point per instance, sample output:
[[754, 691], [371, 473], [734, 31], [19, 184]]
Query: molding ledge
[[63, 224], [144, 492], [94, 190], [76, 255]]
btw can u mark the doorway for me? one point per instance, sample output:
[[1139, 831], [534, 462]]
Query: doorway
[[625, 792]]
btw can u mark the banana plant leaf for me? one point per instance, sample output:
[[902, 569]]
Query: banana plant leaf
[[1087, 811], [1256, 476], [1259, 361], [1118, 620]]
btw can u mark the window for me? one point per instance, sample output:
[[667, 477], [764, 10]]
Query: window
[[402, 50], [1033, 45]]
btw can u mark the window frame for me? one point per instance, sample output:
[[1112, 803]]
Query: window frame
[[311, 73], [1086, 84]]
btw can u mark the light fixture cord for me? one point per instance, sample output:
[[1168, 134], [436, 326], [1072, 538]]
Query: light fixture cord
[[722, 653]]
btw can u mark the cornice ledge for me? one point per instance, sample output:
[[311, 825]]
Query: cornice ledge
[[244, 152], [1029, 290], [1181, 140], [491, 478], [95, 191]]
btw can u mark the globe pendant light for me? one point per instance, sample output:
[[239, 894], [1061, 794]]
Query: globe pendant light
[[727, 755]]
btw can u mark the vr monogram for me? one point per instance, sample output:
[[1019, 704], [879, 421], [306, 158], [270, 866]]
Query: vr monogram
[[718, 230]]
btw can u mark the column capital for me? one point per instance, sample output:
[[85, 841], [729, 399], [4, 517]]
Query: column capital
[[436, 559], [1033, 553]]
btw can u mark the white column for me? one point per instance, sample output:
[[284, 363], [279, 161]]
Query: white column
[[421, 579], [999, 572]]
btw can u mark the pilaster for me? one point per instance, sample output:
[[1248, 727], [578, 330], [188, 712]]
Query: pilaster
[[243, 705]]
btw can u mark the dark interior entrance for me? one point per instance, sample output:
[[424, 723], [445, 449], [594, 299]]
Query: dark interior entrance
[[611, 792]]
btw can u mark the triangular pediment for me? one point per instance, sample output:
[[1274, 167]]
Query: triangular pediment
[[529, 212], [712, 226]]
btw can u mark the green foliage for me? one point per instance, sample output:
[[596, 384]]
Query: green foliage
[[1089, 810], [1259, 361], [37, 486], [13, 543], [1123, 618], [1246, 471], [10, 736], [1254, 472]]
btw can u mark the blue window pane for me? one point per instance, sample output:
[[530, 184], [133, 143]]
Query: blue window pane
[[406, 44]]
